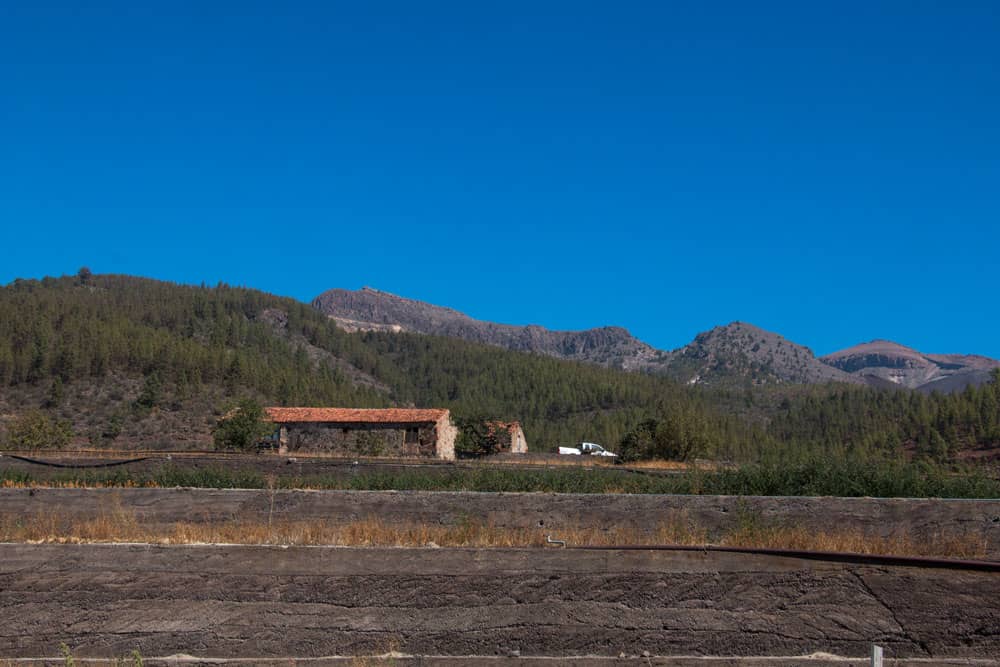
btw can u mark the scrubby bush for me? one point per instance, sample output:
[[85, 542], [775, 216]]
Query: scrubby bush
[[676, 437], [243, 426], [36, 430]]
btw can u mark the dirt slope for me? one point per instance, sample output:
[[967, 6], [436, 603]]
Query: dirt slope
[[225, 601]]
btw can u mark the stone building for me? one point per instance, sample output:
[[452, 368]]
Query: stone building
[[510, 437], [366, 432]]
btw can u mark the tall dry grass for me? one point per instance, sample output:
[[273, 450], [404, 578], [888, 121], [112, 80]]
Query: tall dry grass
[[115, 524], [78, 484]]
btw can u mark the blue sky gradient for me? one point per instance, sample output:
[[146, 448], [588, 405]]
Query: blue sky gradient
[[829, 171]]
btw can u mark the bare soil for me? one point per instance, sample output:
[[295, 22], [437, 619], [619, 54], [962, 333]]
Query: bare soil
[[242, 601]]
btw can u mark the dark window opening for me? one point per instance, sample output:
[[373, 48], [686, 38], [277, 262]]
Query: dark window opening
[[412, 436]]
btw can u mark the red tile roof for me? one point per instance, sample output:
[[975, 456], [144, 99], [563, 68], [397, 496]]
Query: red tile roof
[[355, 415]]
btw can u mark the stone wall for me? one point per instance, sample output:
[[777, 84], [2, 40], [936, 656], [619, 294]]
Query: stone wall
[[447, 433], [362, 439], [507, 437], [518, 443]]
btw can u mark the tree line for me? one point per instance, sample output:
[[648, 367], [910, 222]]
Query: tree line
[[223, 343]]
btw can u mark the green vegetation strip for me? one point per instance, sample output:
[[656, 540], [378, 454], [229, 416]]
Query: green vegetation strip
[[813, 478]]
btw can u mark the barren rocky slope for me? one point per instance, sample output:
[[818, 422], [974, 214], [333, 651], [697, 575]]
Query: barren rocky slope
[[369, 309], [886, 362]]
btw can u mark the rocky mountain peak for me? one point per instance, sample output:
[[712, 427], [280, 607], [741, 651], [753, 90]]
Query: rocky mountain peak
[[370, 309], [738, 352], [887, 363]]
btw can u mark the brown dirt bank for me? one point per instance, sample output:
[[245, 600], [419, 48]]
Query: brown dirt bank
[[233, 601], [930, 519]]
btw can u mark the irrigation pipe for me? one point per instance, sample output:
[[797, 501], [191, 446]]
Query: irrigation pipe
[[52, 464], [830, 556]]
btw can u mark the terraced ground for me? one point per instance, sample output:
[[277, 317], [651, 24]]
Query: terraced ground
[[427, 605], [299, 602]]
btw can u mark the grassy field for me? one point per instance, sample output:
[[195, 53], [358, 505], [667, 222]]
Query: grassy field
[[810, 478]]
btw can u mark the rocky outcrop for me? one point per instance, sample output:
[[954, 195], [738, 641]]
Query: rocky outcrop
[[883, 362], [369, 309], [736, 353], [744, 352]]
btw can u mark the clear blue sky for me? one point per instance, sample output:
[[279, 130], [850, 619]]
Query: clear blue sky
[[830, 171]]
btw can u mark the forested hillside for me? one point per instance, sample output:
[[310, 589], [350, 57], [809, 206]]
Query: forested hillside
[[129, 360], [123, 361], [369, 309], [938, 426]]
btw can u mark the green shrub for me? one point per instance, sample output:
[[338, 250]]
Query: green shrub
[[36, 430], [243, 426]]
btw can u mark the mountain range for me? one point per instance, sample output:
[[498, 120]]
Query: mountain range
[[735, 353], [123, 361]]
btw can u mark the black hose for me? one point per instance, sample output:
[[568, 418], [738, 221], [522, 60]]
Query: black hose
[[52, 464], [829, 556]]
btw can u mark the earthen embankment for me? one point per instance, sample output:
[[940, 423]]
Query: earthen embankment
[[929, 519], [255, 601]]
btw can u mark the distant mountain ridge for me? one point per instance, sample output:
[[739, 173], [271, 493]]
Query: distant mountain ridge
[[369, 309], [735, 353], [883, 362]]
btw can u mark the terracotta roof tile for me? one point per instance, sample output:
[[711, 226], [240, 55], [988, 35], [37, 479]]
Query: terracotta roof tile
[[355, 415]]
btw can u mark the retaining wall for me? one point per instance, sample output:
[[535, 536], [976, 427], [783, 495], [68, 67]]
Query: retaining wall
[[918, 518]]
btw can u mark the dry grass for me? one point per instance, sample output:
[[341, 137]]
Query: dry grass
[[958, 545], [541, 459], [115, 524], [658, 464], [73, 484], [663, 464], [376, 660]]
